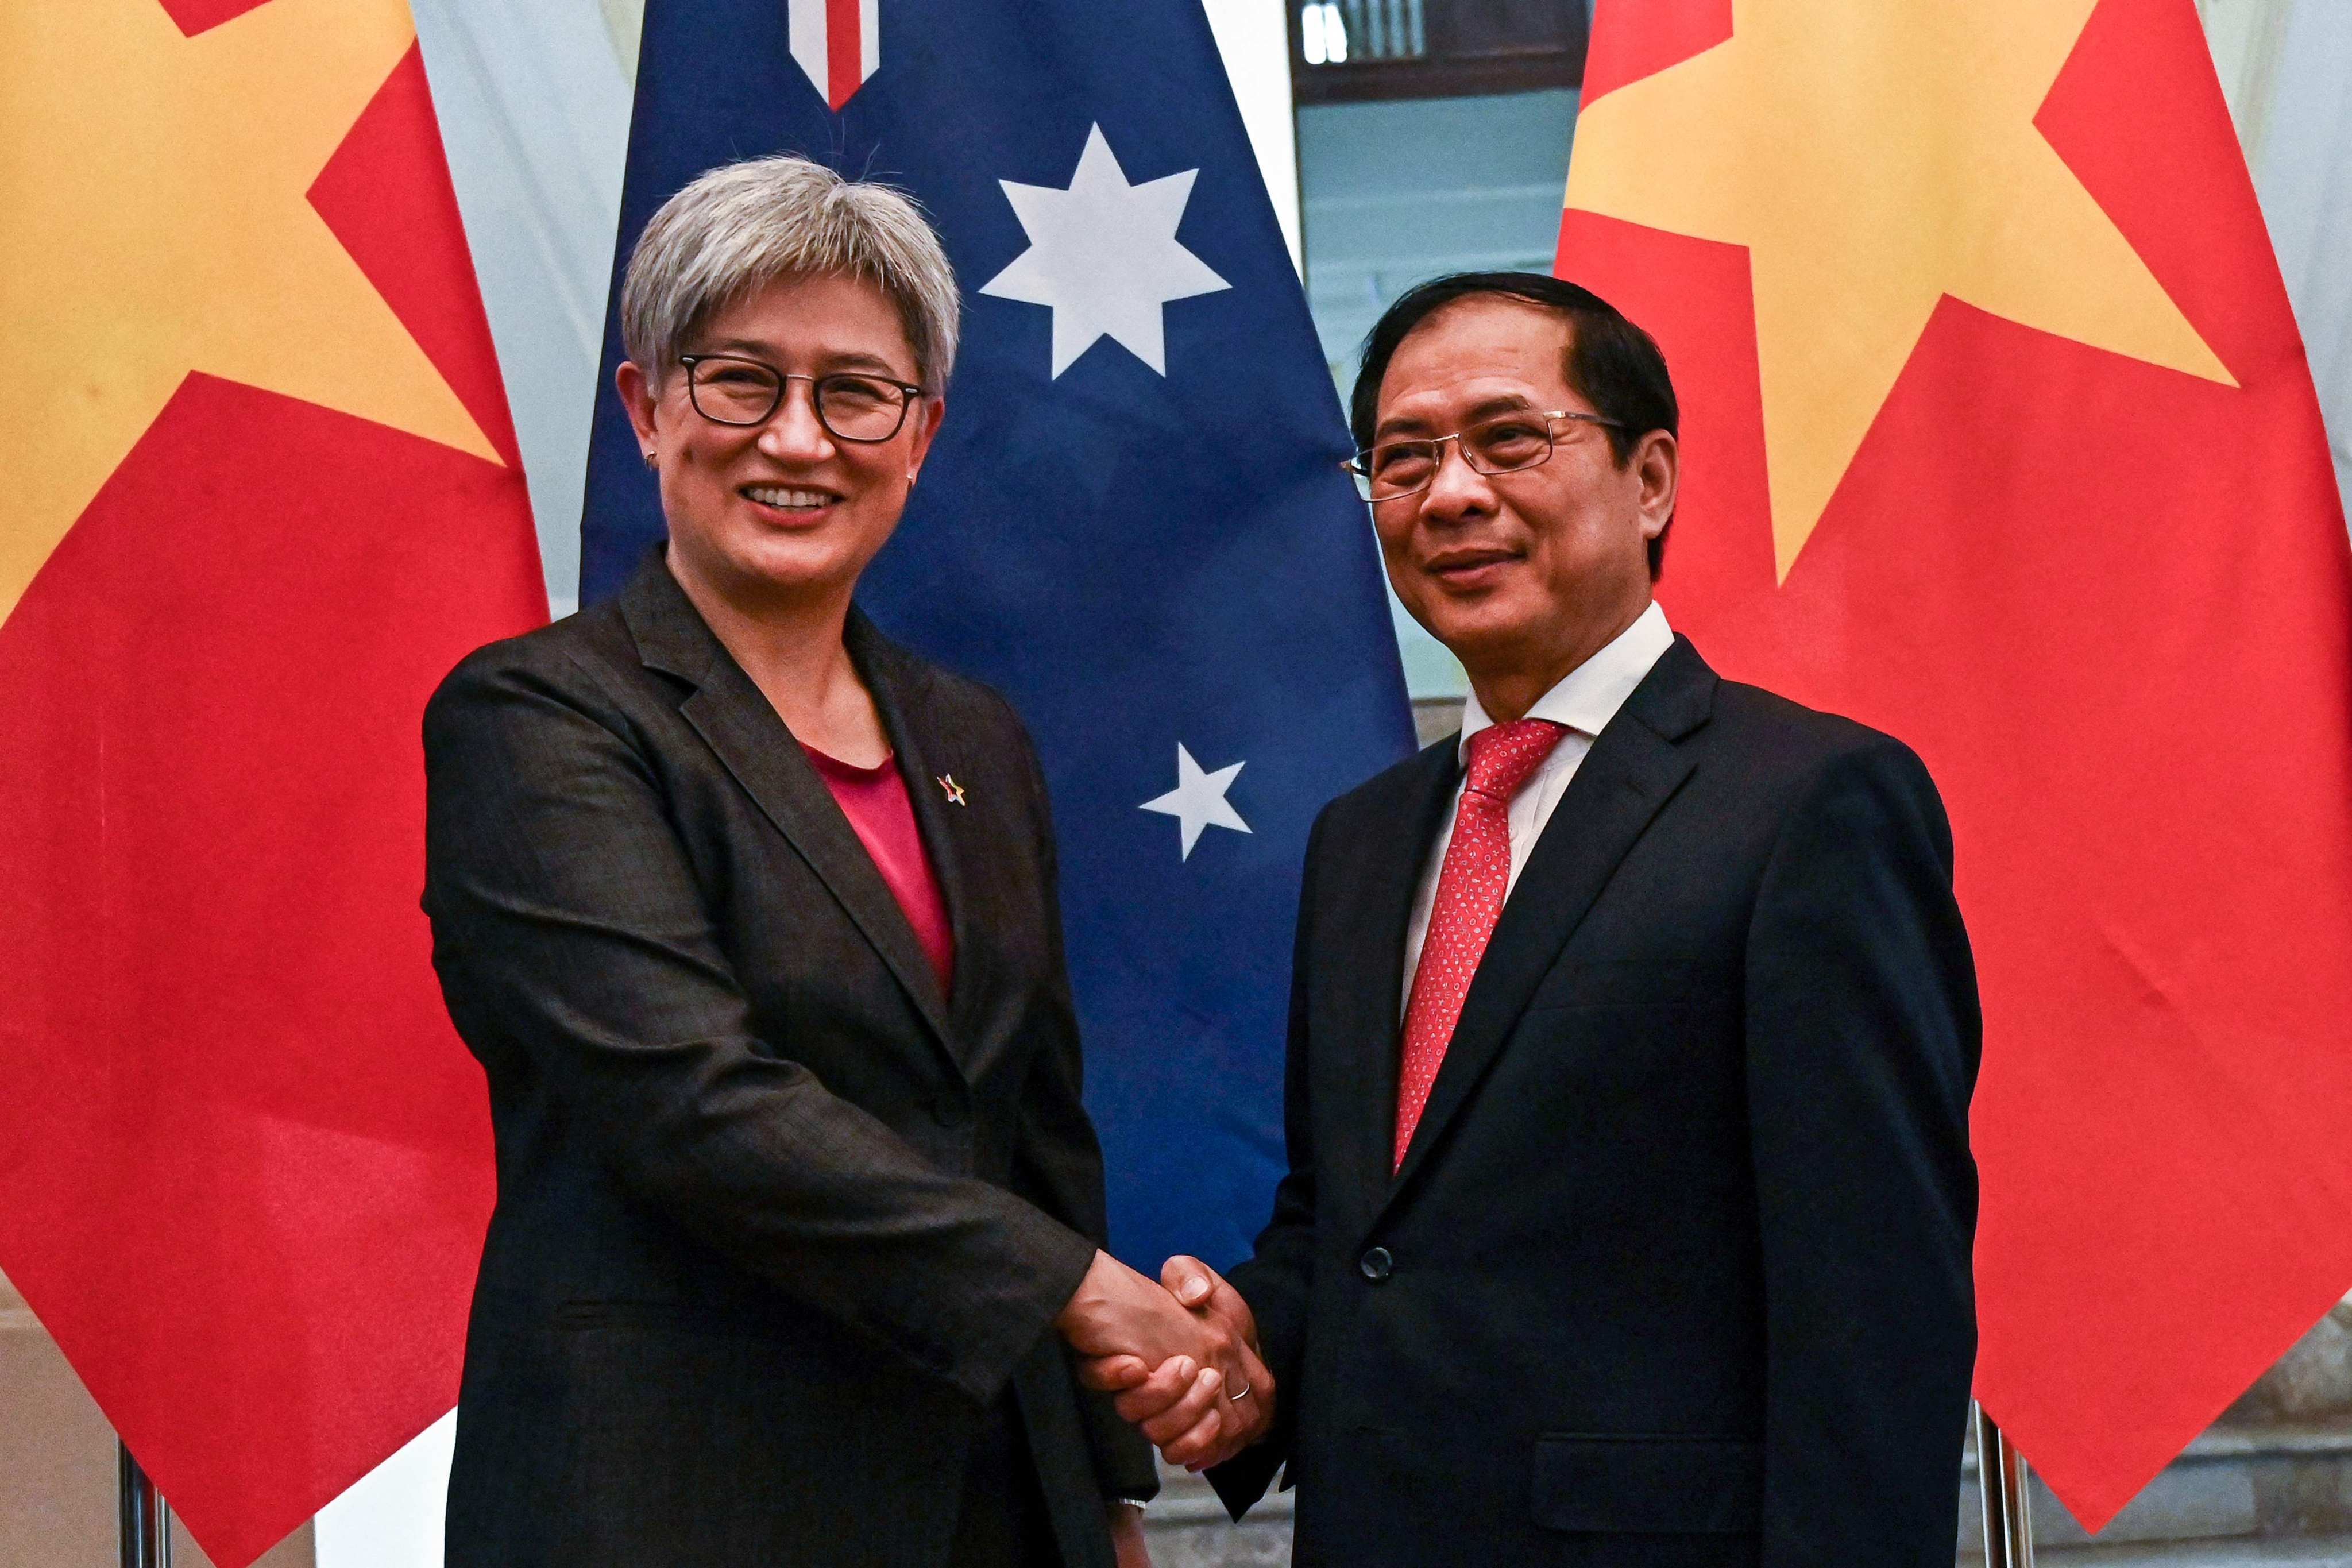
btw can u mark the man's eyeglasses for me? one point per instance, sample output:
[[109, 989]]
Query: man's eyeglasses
[[1503, 444], [728, 389]]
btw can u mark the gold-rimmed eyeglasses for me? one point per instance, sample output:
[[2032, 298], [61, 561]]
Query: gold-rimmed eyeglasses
[[852, 405], [1503, 444]]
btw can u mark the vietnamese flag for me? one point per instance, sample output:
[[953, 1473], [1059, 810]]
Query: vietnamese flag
[[1999, 436], [261, 492]]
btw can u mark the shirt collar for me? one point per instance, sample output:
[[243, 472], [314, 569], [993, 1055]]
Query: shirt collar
[[1588, 696]]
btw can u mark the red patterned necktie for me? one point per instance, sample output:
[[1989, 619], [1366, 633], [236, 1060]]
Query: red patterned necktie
[[1470, 888]]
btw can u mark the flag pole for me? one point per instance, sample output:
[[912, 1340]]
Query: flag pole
[[145, 1521], [2001, 1485]]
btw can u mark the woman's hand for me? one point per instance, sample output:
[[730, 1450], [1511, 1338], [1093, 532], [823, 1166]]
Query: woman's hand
[[1127, 1536], [1115, 1311]]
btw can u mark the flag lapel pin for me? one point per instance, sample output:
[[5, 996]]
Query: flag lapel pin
[[952, 790]]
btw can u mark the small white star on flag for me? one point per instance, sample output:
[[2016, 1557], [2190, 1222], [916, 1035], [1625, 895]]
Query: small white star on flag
[[1104, 256], [1198, 801]]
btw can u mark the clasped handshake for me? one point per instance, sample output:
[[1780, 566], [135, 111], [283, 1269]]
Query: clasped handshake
[[1180, 1356]]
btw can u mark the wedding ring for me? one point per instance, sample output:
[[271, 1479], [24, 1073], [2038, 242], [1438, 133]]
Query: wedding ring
[[1237, 1399]]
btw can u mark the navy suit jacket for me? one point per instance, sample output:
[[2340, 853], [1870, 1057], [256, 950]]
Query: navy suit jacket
[[1675, 1273]]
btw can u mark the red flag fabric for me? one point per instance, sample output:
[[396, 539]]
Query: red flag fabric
[[1999, 436], [263, 493]]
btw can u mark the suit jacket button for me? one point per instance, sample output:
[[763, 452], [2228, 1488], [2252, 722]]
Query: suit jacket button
[[1376, 1264]]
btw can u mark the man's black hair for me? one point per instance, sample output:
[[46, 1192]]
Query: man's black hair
[[1612, 364]]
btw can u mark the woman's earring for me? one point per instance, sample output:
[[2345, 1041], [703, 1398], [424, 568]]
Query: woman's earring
[[653, 460]]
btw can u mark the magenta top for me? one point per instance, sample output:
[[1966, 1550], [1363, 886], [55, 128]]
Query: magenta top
[[875, 801]]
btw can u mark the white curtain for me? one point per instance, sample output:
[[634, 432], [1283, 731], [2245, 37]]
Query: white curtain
[[2299, 136], [533, 97]]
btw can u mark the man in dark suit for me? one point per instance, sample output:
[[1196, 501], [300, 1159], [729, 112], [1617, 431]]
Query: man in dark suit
[[1629, 1205]]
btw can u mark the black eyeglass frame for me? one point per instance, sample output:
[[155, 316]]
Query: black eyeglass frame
[[1360, 463], [908, 394]]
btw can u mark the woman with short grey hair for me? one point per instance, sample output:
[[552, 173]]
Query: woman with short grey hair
[[750, 915], [744, 225]]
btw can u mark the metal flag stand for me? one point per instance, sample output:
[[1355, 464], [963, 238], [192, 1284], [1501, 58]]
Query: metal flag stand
[[2001, 1483], [145, 1521]]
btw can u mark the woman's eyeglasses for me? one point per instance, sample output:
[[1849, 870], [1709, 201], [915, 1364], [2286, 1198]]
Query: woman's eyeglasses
[[728, 389]]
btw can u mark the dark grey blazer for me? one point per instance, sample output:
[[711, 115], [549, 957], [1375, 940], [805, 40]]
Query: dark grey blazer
[[776, 1220], [1676, 1271]]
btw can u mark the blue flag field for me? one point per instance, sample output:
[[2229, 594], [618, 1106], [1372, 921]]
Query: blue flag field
[[1133, 522]]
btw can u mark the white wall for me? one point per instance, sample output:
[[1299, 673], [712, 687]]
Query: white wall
[[1252, 37], [392, 1517]]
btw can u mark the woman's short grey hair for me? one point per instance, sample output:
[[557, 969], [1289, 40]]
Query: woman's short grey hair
[[742, 226]]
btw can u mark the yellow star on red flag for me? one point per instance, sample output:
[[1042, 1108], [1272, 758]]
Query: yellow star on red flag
[[1875, 156], [158, 224]]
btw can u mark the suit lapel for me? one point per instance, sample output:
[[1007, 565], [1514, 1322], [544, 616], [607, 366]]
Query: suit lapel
[[1367, 998], [902, 689], [735, 718], [1635, 765]]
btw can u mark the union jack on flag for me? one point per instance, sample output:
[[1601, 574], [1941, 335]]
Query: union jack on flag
[[838, 43]]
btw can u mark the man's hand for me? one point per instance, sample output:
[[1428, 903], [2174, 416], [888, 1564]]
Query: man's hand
[[1117, 1312], [1203, 1418]]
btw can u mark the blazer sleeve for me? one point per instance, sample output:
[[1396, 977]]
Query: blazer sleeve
[[1862, 1041], [1059, 1158], [1278, 1280], [569, 927]]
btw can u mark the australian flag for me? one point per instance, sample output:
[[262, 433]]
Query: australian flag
[[1133, 523]]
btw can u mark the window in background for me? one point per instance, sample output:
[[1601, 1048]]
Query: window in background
[[1432, 137], [1399, 189], [1345, 51]]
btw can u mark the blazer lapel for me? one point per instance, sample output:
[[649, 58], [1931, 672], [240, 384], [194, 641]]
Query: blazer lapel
[[901, 687], [1635, 765], [735, 718], [1366, 1000]]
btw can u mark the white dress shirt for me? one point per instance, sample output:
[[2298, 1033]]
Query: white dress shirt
[[1586, 699]]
